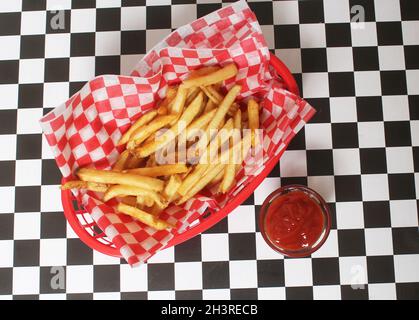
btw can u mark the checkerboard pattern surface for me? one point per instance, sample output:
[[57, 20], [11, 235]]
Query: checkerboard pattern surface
[[360, 151]]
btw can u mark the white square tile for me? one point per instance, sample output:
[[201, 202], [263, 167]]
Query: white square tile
[[11, 6], [403, 213], [27, 225], [387, 10], [285, 12], [312, 35], [51, 199], [133, 18], [33, 22], [264, 251], [158, 2], [268, 33], [53, 296], [10, 48], [382, 291], [134, 279], [315, 85], [267, 186], [161, 295], [330, 248], [8, 147], [31, 70], [349, 215], [6, 256], [242, 219], [374, 187], [395, 108], [214, 247], [243, 274], [291, 58], [336, 11], [53, 252], [364, 36], [82, 68], [410, 32], [216, 294], [406, 268], [367, 83], [293, 163], [391, 58], [7, 203], [346, 161], [414, 131], [353, 271], [128, 62], [26, 280], [57, 45], [298, 272], [6, 297], [417, 185], [399, 160], [343, 109], [104, 259], [188, 276], [9, 94], [183, 14], [412, 78], [153, 37], [318, 136], [271, 293], [324, 185], [108, 3], [58, 4], [340, 59], [164, 256], [108, 43], [83, 20], [55, 93], [326, 293], [378, 241], [106, 296], [371, 134], [79, 279], [28, 172], [28, 120]]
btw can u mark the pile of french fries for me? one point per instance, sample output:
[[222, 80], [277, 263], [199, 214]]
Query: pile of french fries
[[194, 114]]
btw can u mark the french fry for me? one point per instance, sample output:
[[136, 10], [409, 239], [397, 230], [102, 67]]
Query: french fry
[[222, 74], [217, 178], [228, 178], [126, 190], [143, 120], [122, 159], [171, 187], [217, 97], [179, 100], [158, 171], [111, 177], [92, 186], [202, 71], [192, 93], [253, 113], [129, 200], [197, 125], [210, 105], [144, 217], [163, 110]]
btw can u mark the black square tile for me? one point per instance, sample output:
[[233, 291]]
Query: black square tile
[[311, 11], [397, 133], [26, 253], [6, 226], [393, 82], [129, 3], [271, 273], [369, 108], [82, 44], [82, 4], [184, 1], [7, 172], [78, 253], [29, 146], [314, 60], [298, 142], [133, 42], [299, 293], [401, 186], [32, 46], [31, 95], [287, 36], [57, 70], [244, 294], [263, 11], [322, 106], [6, 280], [58, 21], [10, 23], [53, 225], [286, 181], [249, 201], [189, 250], [349, 293], [365, 58], [203, 9], [348, 188], [299, 80], [242, 246], [9, 71], [52, 279], [108, 19], [351, 242], [216, 275], [75, 87], [189, 295], [345, 135], [107, 65], [319, 162], [416, 158], [367, 6], [341, 84], [338, 35], [257, 215], [409, 9], [27, 199], [79, 296], [219, 227], [332, 210], [411, 54], [106, 278], [377, 214], [325, 271], [8, 120], [389, 33], [26, 297], [30, 5], [161, 276], [380, 269], [133, 295], [159, 17], [50, 172], [373, 160], [405, 240], [407, 291]]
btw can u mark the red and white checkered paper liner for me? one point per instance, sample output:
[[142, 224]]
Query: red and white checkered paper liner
[[84, 131]]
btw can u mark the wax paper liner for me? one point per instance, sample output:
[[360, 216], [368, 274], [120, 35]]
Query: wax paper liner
[[84, 130]]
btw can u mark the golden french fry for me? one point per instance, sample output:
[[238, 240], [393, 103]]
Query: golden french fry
[[126, 190], [143, 120], [179, 100], [217, 97], [122, 159], [210, 105], [111, 177], [253, 113], [217, 178], [144, 217], [171, 187], [163, 170], [162, 110], [238, 119], [202, 71], [197, 125], [92, 186], [229, 174], [222, 74], [192, 93]]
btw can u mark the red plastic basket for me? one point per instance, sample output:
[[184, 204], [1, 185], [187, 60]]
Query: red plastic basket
[[87, 230]]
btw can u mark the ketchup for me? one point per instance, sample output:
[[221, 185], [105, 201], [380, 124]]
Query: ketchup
[[294, 221]]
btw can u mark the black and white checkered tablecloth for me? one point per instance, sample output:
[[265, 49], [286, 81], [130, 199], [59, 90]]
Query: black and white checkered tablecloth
[[361, 152]]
